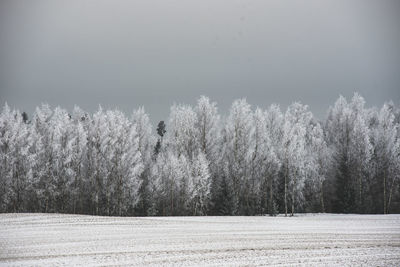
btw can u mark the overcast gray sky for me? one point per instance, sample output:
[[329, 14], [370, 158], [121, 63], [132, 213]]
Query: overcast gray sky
[[153, 53]]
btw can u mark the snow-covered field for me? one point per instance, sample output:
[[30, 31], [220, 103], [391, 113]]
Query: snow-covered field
[[55, 239]]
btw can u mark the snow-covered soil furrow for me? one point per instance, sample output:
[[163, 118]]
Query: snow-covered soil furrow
[[312, 239]]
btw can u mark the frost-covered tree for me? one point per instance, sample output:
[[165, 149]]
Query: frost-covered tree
[[360, 155], [337, 130], [318, 162], [79, 157], [141, 123], [182, 134], [236, 153], [208, 124], [348, 136], [274, 127], [199, 186], [96, 161], [123, 164], [297, 120], [386, 151], [170, 183], [44, 184], [264, 165], [191, 137], [360, 149], [15, 158], [60, 130]]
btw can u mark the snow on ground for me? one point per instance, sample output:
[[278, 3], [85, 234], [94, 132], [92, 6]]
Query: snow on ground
[[56, 239]]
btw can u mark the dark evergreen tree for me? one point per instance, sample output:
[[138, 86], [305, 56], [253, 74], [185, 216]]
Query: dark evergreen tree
[[223, 199], [25, 117], [161, 130]]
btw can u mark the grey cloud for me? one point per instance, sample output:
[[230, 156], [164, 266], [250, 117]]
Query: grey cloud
[[153, 53]]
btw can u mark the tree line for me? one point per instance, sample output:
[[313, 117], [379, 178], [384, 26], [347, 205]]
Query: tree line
[[251, 162]]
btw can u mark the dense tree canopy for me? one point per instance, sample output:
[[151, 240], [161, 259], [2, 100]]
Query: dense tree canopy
[[254, 161]]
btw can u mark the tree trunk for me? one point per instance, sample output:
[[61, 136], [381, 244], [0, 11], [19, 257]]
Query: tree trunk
[[18, 193], [359, 193], [74, 195], [293, 198], [390, 196], [384, 193], [322, 198], [97, 203], [108, 203], [172, 200], [286, 177], [271, 204]]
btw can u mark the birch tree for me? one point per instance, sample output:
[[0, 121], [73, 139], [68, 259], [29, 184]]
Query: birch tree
[[237, 152], [297, 118]]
